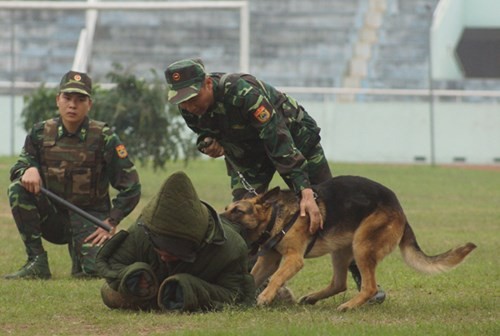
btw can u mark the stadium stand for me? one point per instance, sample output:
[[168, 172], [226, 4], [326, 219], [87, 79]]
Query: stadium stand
[[400, 58], [293, 42]]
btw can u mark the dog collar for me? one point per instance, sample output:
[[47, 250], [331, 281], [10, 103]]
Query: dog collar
[[267, 232]]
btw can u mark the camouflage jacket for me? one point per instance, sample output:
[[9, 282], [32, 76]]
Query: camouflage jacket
[[80, 167], [252, 119]]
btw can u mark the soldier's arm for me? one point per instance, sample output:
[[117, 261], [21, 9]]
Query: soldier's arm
[[276, 137], [122, 176], [29, 156], [288, 160], [282, 151]]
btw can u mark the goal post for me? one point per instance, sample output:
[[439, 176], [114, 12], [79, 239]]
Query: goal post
[[242, 6]]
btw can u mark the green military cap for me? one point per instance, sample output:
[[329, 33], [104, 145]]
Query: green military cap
[[78, 82], [175, 219], [184, 79]]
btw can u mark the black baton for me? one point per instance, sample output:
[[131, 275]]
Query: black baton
[[76, 209]]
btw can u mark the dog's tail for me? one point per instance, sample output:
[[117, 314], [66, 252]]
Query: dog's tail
[[417, 259]]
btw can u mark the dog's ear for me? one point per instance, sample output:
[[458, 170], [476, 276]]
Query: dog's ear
[[271, 196]]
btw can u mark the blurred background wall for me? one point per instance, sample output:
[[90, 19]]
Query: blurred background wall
[[398, 81]]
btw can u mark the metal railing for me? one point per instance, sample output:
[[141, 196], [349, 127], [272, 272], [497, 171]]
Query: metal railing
[[242, 6]]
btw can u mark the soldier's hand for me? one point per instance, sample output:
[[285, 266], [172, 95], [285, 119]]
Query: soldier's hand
[[31, 180], [309, 206], [100, 236], [213, 149]]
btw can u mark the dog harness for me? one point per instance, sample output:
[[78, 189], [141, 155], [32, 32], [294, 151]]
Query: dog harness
[[266, 234], [271, 243], [267, 242]]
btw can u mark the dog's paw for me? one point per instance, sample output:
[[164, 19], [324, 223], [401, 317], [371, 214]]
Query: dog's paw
[[262, 300], [307, 300], [344, 307]]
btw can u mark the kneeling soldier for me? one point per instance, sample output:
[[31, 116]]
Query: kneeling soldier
[[76, 158]]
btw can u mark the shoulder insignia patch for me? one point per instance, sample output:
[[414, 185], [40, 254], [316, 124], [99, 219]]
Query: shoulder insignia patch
[[262, 114], [121, 151]]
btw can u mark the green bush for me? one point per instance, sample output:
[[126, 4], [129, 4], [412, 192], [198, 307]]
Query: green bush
[[137, 110], [38, 106]]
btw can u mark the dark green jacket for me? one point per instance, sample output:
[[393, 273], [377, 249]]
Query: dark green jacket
[[218, 276]]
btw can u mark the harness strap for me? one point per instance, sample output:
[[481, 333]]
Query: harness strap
[[269, 242], [276, 239], [266, 234]]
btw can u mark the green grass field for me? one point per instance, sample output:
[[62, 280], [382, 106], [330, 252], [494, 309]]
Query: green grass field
[[446, 206]]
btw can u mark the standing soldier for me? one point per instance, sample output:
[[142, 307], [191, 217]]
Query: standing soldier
[[258, 129], [76, 158]]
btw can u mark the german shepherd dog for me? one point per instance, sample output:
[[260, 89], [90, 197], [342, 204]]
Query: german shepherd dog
[[363, 220]]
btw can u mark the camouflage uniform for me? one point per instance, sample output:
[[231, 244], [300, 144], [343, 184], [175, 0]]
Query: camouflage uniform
[[79, 168], [262, 130]]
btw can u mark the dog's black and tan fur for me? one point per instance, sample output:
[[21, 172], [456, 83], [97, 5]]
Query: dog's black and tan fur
[[362, 220]]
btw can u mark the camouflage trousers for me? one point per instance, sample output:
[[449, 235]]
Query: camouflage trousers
[[261, 172], [36, 217]]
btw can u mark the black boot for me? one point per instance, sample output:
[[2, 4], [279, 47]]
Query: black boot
[[379, 297], [37, 267]]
